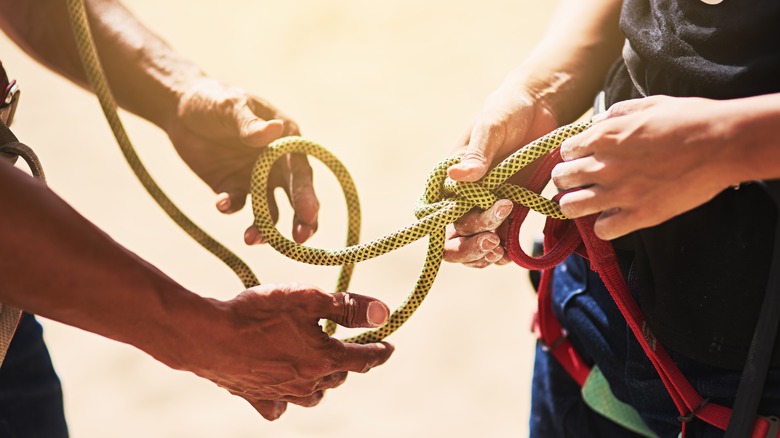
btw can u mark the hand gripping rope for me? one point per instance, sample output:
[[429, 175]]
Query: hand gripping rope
[[443, 202]]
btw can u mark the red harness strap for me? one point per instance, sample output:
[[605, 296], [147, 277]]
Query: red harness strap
[[560, 240]]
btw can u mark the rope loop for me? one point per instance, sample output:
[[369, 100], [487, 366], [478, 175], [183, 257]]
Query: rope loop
[[442, 202]]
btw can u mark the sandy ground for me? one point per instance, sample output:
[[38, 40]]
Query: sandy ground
[[387, 86]]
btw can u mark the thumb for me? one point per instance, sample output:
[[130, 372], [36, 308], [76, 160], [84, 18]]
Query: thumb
[[269, 409], [231, 202], [255, 131], [485, 140], [353, 310]]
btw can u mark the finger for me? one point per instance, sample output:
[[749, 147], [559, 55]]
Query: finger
[[269, 409], [359, 358], [254, 131], [625, 107], [476, 221], [505, 259], [585, 202], [307, 401], [578, 173], [485, 140], [332, 380], [231, 202], [252, 236], [478, 264], [578, 146], [615, 223], [302, 198], [490, 258], [470, 249], [353, 310]]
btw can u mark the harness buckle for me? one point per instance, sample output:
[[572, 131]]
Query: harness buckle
[[774, 426], [691, 415], [10, 100], [557, 343]]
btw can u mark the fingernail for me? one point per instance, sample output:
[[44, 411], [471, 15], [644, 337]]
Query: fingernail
[[224, 203], [256, 125], [489, 243], [503, 211], [377, 313], [303, 232], [279, 409], [492, 256]]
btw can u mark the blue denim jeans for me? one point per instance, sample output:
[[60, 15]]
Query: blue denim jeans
[[30, 391], [598, 330]]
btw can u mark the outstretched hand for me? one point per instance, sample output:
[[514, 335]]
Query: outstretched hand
[[272, 351], [219, 131]]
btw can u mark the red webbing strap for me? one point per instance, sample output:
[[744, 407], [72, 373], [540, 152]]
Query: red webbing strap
[[688, 401], [553, 337], [561, 239]]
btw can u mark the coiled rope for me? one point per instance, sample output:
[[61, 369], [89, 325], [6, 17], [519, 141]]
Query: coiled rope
[[443, 202]]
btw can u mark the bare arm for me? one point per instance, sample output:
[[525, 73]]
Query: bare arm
[[146, 75], [265, 345], [217, 129], [567, 68], [553, 86]]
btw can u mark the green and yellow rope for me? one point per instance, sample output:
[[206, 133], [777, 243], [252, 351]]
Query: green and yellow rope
[[443, 202]]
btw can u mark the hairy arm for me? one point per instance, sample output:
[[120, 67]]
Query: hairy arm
[[57, 264], [264, 345], [146, 75], [217, 129]]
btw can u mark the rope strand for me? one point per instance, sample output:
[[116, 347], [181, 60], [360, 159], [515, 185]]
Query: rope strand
[[443, 202]]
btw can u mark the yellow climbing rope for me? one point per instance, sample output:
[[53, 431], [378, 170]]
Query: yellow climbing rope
[[443, 202]]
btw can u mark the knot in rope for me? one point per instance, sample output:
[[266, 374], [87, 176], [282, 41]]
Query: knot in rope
[[443, 202], [472, 192]]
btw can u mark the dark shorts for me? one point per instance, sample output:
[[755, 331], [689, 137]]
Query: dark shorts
[[30, 391]]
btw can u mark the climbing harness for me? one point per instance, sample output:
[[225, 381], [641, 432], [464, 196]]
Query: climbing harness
[[443, 202], [11, 149], [561, 239], [759, 356]]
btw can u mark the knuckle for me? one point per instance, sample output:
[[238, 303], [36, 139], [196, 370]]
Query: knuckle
[[569, 207], [312, 399]]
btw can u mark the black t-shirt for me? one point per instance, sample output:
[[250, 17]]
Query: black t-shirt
[[702, 275]]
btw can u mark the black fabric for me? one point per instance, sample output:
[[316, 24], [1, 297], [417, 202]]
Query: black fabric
[[702, 275], [720, 51]]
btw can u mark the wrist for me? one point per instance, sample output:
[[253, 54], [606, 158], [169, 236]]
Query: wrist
[[554, 90], [748, 129], [175, 326]]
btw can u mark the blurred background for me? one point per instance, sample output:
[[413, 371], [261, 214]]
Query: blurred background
[[388, 86]]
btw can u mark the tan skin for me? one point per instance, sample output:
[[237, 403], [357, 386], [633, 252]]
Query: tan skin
[[643, 162], [553, 86], [265, 345]]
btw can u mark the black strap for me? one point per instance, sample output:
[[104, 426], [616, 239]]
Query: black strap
[[761, 347]]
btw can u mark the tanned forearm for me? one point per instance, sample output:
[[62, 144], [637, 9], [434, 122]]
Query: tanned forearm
[[57, 264], [146, 76], [751, 138], [567, 68]]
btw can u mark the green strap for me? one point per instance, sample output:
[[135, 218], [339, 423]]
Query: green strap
[[599, 397]]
